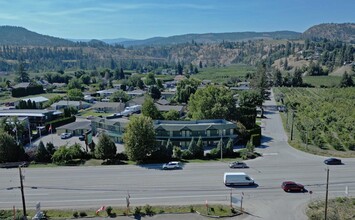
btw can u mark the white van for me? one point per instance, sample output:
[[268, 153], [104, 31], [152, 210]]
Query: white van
[[237, 179]]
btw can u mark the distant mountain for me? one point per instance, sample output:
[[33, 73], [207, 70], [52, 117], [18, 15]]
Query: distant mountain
[[344, 32], [10, 35], [116, 40], [108, 41], [214, 38]]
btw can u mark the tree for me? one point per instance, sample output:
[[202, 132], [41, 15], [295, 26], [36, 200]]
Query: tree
[[22, 75], [179, 68], [259, 80], [229, 147], [250, 99], [199, 148], [297, 78], [136, 81], [74, 84], [200, 64], [139, 138], [120, 96], [42, 155], [154, 92], [150, 79], [212, 102], [160, 84], [172, 115], [75, 95], [105, 148], [277, 78], [150, 110], [9, 150], [346, 81], [185, 89]]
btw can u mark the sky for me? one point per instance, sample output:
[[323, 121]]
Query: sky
[[142, 19]]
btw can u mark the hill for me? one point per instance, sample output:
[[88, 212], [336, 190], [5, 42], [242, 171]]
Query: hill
[[10, 35], [344, 32], [214, 38]]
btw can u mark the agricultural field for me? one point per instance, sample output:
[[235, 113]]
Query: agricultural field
[[321, 81], [321, 117], [223, 74]]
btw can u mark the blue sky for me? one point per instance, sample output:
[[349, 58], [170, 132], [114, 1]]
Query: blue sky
[[140, 19]]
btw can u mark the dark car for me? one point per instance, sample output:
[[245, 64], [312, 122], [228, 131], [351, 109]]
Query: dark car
[[82, 137], [289, 186], [238, 164], [332, 161]]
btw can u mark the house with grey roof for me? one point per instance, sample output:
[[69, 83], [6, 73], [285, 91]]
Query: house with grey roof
[[166, 108], [107, 92], [75, 128], [39, 100], [109, 107], [65, 104], [36, 117]]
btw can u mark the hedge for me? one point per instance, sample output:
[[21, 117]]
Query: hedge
[[60, 122]]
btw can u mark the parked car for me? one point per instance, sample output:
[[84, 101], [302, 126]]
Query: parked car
[[333, 161], [238, 164], [65, 135], [82, 137], [289, 186], [171, 165]]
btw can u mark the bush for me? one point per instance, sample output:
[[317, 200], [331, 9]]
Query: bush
[[83, 214], [186, 154], [138, 210], [109, 210], [148, 210], [75, 214], [192, 209]]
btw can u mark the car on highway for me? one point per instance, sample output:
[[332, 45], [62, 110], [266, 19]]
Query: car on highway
[[238, 164], [172, 165], [289, 186], [333, 161], [65, 135]]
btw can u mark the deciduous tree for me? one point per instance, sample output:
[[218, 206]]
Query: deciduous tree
[[139, 138]]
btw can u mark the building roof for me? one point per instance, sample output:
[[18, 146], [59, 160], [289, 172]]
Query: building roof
[[107, 91], [37, 99], [166, 108], [76, 125], [137, 100], [136, 92], [193, 125], [109, 105], [25, 112], [163, 102], [22, 85], [70, 103]]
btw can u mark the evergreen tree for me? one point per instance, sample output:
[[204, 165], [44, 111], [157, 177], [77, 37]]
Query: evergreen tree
[[105, 148], [346, 81], [22, 74], [42, 155]]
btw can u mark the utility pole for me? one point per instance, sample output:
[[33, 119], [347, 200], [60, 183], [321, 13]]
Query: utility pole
[[326, 196], [293, 117], [22, 194]]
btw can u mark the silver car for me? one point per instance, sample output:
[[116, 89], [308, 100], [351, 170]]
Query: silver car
[[238, 164], [171, 165]]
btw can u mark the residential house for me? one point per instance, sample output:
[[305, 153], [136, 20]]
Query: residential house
[[65, 104], [107, 92], [36, 117], [166, 108], [108, 107], [136, 93], [39, 100], [75, 128]]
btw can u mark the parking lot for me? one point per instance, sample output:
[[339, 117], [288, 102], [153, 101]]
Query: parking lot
[[58, 142]]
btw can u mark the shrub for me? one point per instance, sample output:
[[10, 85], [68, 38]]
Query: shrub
[[255, 139], [192, 209], [186, 154], [138, 210], [109, 210], [148, 210], [75, 214], [83, 214]]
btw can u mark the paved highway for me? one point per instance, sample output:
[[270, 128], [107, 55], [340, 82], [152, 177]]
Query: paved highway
[[83, 187]]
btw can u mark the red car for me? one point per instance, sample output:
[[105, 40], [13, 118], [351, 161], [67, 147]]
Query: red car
[[289, 186]]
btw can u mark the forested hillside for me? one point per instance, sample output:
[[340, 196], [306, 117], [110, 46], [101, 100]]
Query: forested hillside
[[312, 56], [343, 32], [10, 35]]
